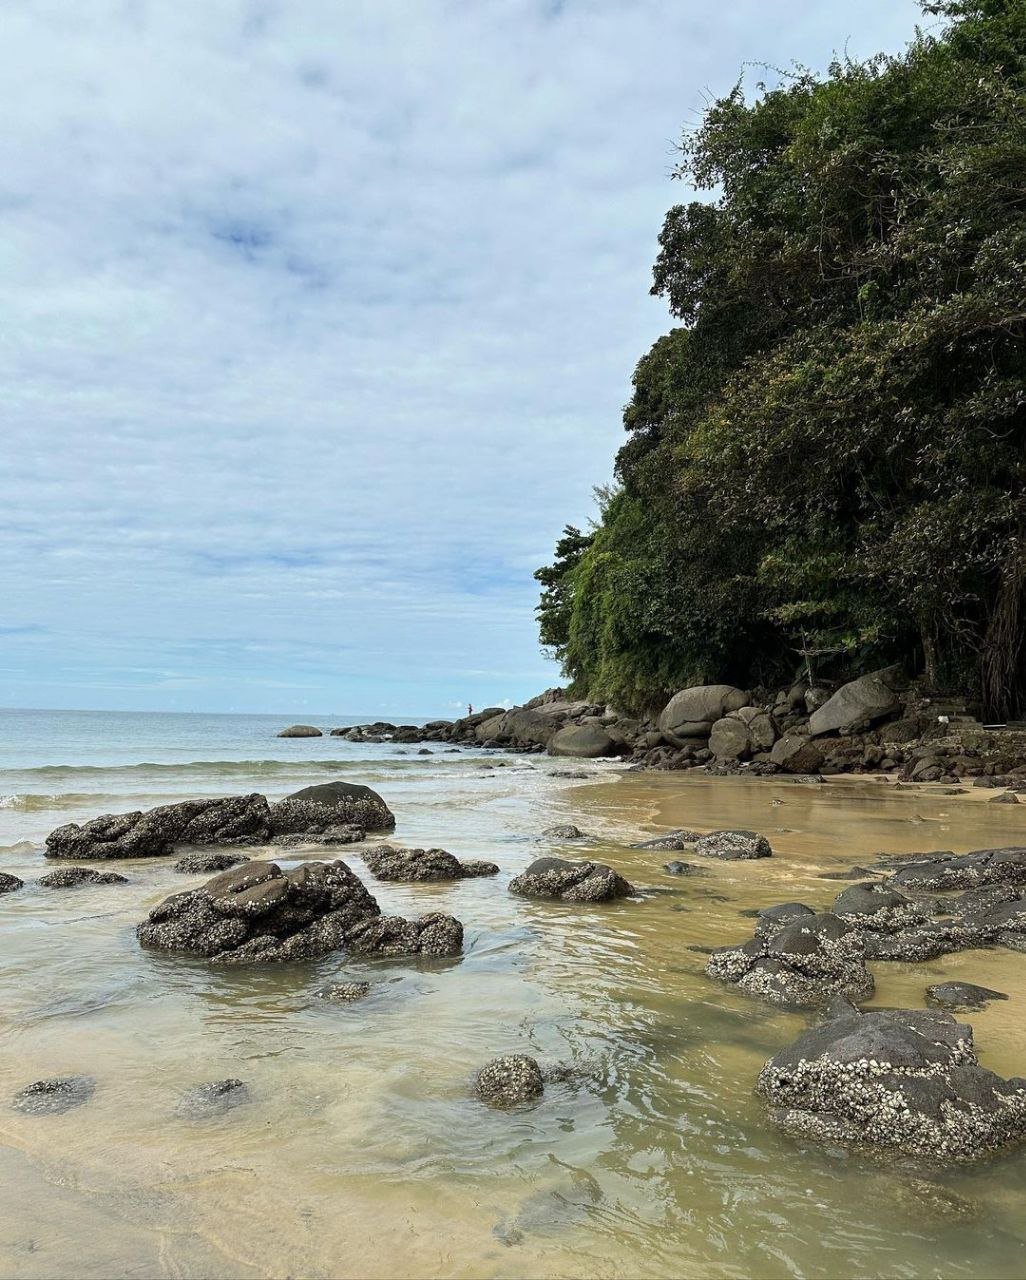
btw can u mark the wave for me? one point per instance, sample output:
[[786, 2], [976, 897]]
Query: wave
[[209, 768]]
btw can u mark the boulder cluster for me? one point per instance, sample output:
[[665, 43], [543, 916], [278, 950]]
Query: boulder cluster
[[333, 812], [876, 723]]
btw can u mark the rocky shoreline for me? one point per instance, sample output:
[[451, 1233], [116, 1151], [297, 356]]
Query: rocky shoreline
[[877, 724]]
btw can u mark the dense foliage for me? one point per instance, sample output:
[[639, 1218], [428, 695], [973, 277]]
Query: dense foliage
[[828, 454]]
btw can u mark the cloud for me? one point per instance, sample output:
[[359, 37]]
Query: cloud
[[319, 320]]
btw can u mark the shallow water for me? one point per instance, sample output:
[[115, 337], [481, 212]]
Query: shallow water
[[363, 1152]]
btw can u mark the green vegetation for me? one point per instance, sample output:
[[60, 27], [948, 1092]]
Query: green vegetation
[[829, 453]]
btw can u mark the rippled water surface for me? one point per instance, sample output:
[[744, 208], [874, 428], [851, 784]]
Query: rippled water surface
[[363, 1152]]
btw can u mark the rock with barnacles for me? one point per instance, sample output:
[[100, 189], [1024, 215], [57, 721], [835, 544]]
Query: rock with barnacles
[[899, 1081], [9, 883], [388, 863], [510, 1081], [73, 877], [733, 846], [570, 881]]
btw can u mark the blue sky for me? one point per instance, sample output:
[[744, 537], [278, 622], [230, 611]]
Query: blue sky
[[318, 321]]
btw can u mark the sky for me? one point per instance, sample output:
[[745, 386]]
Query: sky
[[318, 319]]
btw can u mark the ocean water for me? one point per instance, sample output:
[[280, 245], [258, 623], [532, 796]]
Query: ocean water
[[362, 1151]]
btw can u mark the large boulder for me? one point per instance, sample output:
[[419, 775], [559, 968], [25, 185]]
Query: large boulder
[[570, 881], [728, 739], [691, 713], [157, 831], [388, 863], [897, 1080], [795, 753], [584, 741], [733, 845], [870, 697], [257, 912], [301, 731], [331, 804]]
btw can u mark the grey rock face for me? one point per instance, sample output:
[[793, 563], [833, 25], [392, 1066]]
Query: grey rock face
[[257, 913], [155, 832], [904, 1080], [570, 881], [956, 996], [728, 739], [52, 1097], [795, 753], [388, 863], [301, 731], [692, 712], [796, 960], [205, 863], [72, 877], [9, 883], [510, 1081], [213, 1098], [870, 697], [328, 805], [733, 845], [583, 741]]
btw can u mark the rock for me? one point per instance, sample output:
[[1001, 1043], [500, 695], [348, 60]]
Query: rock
[[957, 996], [875, 906], [257, 912], [72, 877], [340, 833], [52, 1097], [728, 739], [962, 871], [853, 873], [570, 881], [510, 1081], [870, 697], [344, 992], [762, 732], [1005, 797], [565, 831], [568, 773], [900, 1081], [329, 805], [796, 754], [733, 845], [300, 731], [585, 741], [9, 883], [388, 863], [798, 959], [681, 869], [157, 831], [672, 841], [214, 1098], [692, 712], [205, 863]]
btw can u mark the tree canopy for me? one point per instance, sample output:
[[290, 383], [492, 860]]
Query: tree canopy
[[828, 453]]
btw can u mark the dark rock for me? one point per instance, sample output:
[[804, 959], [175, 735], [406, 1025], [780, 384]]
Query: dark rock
[[565, 831], [797, 961], [344, 992], [388, 863], [870, 697], [733, 845], [257, 912], [510, 1081], [52, 1097], [157, 831], [963, 871], [570, 881], [1006, 797], [205, 863], [874, 906], [769, 920], [957, 996], [330, 805], [568, 773], [853, 873], [672, 841], [213, 1099], [9, 883], [902, 1080], [300, 731], [682, 869], [345, 833], [72, 877]]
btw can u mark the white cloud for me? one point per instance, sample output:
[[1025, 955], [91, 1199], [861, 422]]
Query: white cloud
[[318, 321]]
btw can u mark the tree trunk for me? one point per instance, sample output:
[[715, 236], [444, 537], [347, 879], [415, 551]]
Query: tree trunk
[[1003, 678]]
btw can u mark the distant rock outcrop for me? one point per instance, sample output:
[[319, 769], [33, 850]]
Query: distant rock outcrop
[[301, 731]]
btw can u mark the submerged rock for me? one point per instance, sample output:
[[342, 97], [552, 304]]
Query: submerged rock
[[72, 877], [329, 805], [257, 912], [157, 831], [957, 996], [733, 845], [565, 831], [510, 1081], [797, 959], [677, 868], [570, 881], [388, 863], [901, 1080], [301, 731], [344, 992], [214, 1098], [52, 1097], [673, 841], [9, 883], [205, 863]]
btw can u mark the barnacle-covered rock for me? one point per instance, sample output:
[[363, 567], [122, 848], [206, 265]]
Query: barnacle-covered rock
[[389, 863], [510, 1081], [570, 881]]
